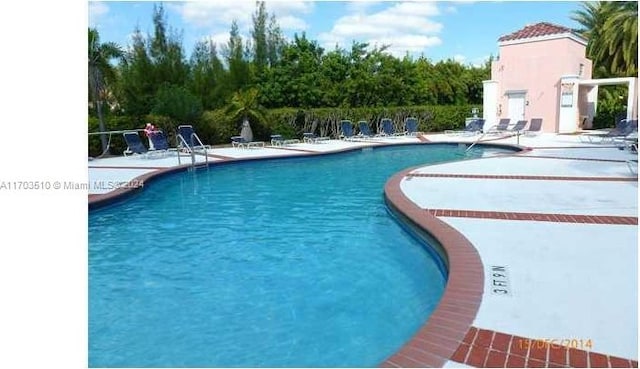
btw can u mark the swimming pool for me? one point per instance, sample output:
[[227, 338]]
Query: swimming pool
[[274, 263]]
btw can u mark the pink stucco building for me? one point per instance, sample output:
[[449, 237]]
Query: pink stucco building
[[542, 72], [526, 77]]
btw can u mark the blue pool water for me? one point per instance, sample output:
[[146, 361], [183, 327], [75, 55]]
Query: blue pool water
[[272, 263]]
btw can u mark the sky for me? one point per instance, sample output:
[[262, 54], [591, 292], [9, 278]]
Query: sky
[[466, 31]]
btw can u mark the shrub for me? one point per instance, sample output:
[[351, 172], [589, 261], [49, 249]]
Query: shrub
[[177, 103], [216, 127]]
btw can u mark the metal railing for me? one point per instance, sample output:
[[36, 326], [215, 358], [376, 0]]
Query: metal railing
[[476, 141], [110, 133], [190, 148]]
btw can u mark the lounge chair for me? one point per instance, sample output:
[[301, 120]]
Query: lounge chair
[[189, 141], [411, 126], [623, 129], [311, 137], [160, 143], [518, 128], [347, 130], [241, 142], [473, 128], [278, 140], [535, 128], [501, 127], [364, 130], [134, 144], [388, 129]]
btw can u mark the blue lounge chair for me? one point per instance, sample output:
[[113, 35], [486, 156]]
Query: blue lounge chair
[[387, 128], [189, 141], [159, 140], [501, 127], [473, 128], [411, 126], [160, 144], [347, 130], [134, 144], [364, 129]]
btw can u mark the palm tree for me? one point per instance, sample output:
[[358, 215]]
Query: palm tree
[[620, 38], [245, 104], [612, 31], [101, 72]]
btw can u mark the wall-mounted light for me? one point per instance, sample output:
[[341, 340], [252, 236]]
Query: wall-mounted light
[[581, 70]]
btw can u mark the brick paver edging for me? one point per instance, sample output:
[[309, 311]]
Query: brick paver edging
[[438, 339], [491, 349], [536, 217], [523, 177]]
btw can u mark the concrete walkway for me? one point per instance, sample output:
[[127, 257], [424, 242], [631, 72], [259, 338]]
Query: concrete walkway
[[555, 232]]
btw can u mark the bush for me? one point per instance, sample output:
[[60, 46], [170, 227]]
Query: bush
[[177, 103], [112, 123], [293, 122], [216, 127]]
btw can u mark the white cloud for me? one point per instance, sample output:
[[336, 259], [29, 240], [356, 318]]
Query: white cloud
[[220, 39], [477, 62], [360, 6], [405, 26], [459, 58], [215, 17], [97, 11], [220, 14], [215, 14], [287, 7], [292, 23]]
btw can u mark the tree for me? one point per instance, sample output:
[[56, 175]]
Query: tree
[[275, 41], [177, 103], [298, 73], [138, 85], [259, 34], [152, 62], [207, 74], [165, 51], [620, 38], [101, 73], [244, 104], [239, 74], [612, 31]]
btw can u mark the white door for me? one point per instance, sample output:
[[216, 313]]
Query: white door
[[516, 107]]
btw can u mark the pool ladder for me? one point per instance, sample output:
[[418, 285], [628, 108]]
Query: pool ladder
[[476, 141], [194, 164]]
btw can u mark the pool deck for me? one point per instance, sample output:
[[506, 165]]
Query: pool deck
[[542, 247]]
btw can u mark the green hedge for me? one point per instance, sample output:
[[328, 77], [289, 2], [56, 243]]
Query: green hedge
[[122, 123], [293, 122], [215, 127]]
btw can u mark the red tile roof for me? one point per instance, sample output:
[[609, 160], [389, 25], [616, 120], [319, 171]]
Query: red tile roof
[[536, 30]]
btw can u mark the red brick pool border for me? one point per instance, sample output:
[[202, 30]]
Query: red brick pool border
[[490, 349], [439, 338]]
